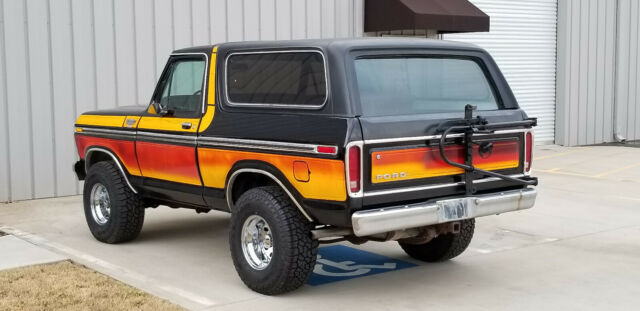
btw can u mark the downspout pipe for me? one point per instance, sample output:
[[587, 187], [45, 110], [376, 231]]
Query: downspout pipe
[[617, 137]]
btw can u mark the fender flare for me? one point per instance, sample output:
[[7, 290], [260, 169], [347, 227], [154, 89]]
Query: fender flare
[[87, 158], [232, 177]]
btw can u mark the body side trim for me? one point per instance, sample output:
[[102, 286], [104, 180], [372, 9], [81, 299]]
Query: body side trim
[[88, 130], [429, 187], [98, 149], [263, 145], [430, 137], [167, 138], [274, 178]]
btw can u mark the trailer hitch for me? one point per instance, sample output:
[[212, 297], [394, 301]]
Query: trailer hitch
[[479, 125]]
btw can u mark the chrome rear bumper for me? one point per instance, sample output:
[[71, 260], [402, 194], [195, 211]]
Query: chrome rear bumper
[[393, 218]]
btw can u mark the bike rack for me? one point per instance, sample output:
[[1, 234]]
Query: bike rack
[[479, 125]]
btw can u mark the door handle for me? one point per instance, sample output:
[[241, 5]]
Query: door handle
[[186, 125]]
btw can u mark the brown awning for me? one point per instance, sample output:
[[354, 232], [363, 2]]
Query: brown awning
[[445, 16]]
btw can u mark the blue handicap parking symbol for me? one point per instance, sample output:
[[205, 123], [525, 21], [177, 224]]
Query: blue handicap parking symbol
[[338, 262]]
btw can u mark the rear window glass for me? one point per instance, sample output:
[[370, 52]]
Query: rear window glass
[[279, 78], [414, 85]]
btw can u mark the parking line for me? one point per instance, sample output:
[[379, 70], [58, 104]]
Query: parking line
[[560, 154], [616, 170], [557, 171]]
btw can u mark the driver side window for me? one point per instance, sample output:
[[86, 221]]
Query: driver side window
[[182, 89]]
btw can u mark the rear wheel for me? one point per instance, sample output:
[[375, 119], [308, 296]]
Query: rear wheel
[[444, 246], [113, 212], [270, 241]]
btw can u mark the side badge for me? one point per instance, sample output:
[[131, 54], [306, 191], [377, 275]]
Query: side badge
[[130, 122]]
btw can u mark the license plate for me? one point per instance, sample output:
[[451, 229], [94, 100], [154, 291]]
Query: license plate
[[454, 209]]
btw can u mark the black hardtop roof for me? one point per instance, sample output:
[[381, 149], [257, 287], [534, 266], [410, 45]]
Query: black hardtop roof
[[340, 44]]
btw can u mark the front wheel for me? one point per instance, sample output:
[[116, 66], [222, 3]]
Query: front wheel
[[271, 244], [444, 246], [113, 211]]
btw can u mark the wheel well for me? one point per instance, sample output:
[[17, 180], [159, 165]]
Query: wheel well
[[95, 157], [99, 154], [246, 181]]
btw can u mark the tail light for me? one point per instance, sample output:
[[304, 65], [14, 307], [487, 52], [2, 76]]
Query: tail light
[[528, 152], [353, 163]]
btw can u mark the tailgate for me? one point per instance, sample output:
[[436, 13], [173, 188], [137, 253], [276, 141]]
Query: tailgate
[[406, 163], [411, 168]]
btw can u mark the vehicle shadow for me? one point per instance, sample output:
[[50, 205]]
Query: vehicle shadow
[[214, 225], [426, 280]]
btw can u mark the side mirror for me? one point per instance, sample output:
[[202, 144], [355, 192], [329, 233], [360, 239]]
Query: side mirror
[[163, 110]]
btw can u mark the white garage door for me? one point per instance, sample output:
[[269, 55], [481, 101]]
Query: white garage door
[[522, 40]]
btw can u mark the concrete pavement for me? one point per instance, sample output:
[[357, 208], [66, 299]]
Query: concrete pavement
[[578, 248], [15, 252]]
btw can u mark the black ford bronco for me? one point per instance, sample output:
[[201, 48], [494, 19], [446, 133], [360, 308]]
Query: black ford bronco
[[315, 141]]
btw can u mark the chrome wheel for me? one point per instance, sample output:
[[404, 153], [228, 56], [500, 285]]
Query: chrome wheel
[[257, 242], [100, 204]]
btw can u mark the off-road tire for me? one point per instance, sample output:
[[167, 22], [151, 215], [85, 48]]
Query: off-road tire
[[443, 247], [127, 213], [294, 253]]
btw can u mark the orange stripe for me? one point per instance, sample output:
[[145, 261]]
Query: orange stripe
[[326, 181], [416, 163]]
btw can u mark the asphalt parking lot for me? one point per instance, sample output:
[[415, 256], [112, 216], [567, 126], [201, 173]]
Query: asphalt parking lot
[[577, 249]]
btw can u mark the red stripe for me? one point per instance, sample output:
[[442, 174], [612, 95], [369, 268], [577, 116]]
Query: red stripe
[[123, 149], [168, 162]]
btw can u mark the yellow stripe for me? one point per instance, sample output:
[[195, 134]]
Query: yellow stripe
[[212, 79], [211, 97], [207, 118], [114, 121], [168, 124]]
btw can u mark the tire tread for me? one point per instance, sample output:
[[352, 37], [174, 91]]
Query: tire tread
[[300, 248], [128, 215], [443, 247]]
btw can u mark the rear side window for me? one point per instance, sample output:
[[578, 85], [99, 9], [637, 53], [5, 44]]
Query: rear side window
[[414, 85], [278, 79]]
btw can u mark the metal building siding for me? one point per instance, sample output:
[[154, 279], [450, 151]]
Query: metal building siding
[[59, 58], [522, 40], [628, 70], [586, 71]]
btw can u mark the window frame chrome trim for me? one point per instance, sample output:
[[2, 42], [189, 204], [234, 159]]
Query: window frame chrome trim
[[205, 78], [235, 174], [230, 103]]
